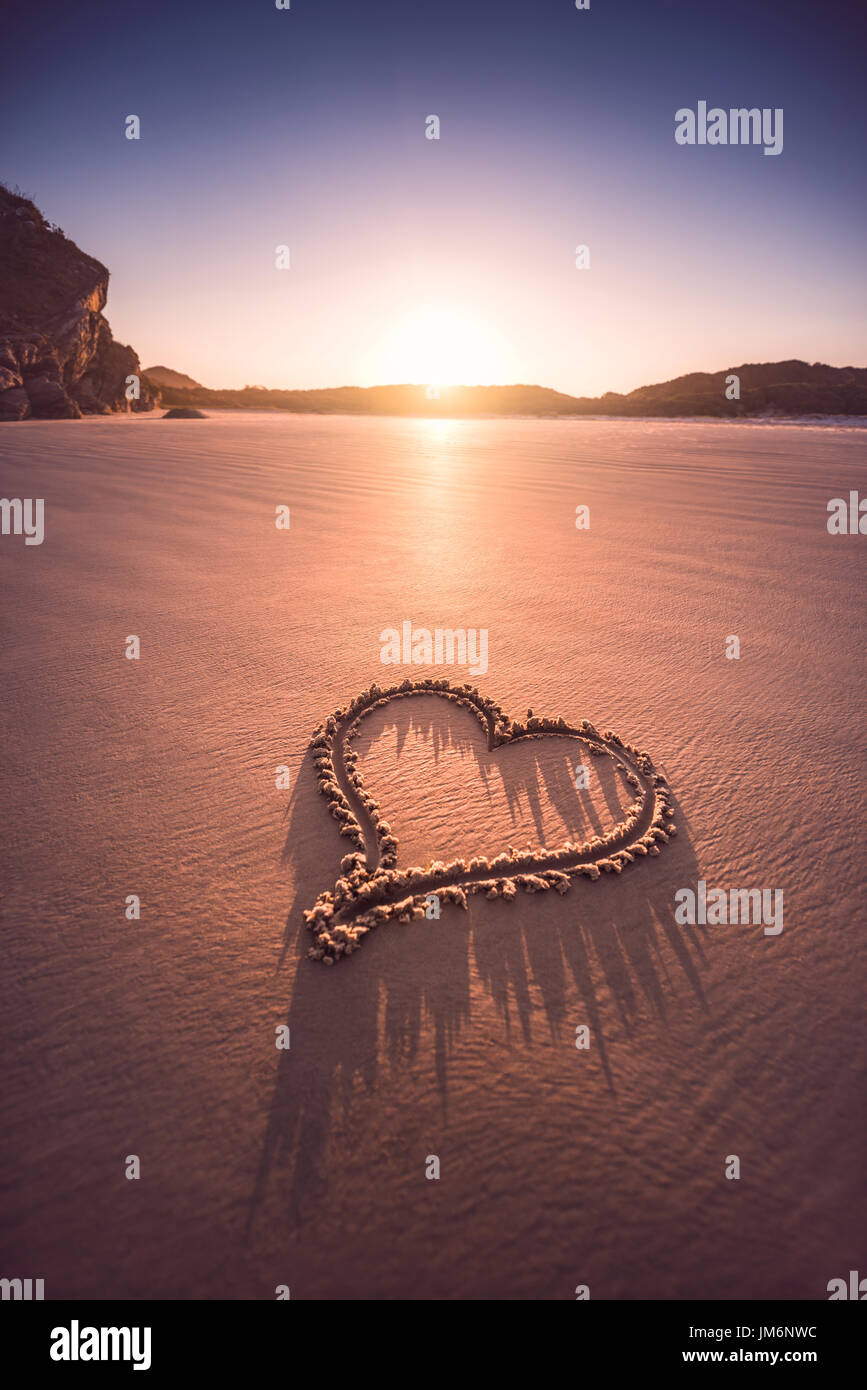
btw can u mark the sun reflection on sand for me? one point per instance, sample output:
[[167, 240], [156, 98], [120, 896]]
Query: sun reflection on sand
[[438, 432]]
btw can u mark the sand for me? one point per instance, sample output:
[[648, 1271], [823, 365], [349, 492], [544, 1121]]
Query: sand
[[455, 1037]]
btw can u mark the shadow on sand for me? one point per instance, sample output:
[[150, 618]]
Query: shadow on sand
[[410, 987]]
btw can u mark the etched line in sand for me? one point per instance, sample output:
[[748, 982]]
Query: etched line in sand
[[371, 889]]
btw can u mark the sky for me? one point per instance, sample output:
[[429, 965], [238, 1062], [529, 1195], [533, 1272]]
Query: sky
[[450, 260]]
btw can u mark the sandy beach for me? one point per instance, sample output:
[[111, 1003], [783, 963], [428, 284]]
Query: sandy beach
[[454, 1037]]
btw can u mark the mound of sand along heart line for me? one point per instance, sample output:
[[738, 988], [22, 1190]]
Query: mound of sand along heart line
[[371, 889]]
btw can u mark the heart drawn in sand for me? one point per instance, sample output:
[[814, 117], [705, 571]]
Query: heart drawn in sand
[[371, 889]]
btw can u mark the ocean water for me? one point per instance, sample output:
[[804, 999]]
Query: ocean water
[[452, 1038]]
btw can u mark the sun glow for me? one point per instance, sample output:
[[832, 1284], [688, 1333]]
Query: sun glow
[[443, 347]]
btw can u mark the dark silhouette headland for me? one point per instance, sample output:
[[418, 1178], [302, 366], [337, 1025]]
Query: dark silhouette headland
[[785, 389]]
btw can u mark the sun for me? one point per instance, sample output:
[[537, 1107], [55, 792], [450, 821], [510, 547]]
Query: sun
[[443, 347]]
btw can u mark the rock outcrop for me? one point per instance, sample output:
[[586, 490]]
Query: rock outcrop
[[58, 359]]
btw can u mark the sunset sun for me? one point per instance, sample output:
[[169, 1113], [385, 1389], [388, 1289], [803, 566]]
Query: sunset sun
[[443, 347]]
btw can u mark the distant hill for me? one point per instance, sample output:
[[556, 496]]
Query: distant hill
[[164, 376], [768, 388]]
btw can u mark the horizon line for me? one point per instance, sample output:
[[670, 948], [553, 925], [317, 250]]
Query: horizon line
[[440, 387]]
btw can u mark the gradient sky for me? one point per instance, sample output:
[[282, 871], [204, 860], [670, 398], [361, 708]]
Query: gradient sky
[[415, 260]]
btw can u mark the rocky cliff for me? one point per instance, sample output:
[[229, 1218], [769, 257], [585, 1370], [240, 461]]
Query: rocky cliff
[[58, 359]]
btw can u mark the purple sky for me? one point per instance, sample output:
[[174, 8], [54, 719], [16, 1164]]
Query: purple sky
[[450, 260]]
